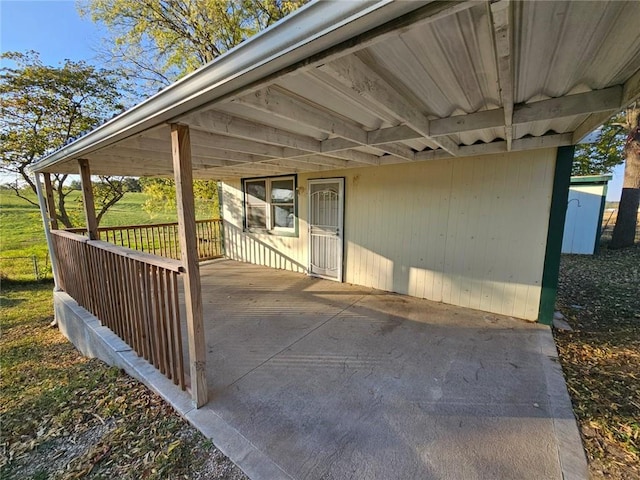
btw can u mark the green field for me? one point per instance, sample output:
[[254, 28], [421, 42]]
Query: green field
[[22, 241]]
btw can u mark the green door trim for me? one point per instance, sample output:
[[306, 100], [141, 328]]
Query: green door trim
[[557, 214], [603, 204]]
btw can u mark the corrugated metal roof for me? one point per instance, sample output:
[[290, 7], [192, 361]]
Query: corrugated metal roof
[[404, 83]]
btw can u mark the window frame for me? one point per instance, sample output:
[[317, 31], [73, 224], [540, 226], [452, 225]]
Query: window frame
[[269, 205]]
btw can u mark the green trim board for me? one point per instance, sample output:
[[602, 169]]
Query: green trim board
[[593, 179], [557, 213], [603, 203]]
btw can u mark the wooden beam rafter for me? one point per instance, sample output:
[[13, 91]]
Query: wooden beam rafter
[[592, 122], [630, 94], [362, 79], [527, 143], [502, 37], [276, 102], [571, 105], [212, 149], [219, 122]]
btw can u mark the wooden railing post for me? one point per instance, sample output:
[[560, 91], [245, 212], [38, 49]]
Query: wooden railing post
[[181, 151], [51, 205], [134, 294], [87, 197]]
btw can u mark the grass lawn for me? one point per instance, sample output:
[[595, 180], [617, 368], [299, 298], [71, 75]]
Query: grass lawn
[[22, 239], [600, 298], [65, 416]]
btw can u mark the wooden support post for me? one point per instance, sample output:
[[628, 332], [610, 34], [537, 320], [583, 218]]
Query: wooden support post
[[87, 197], [181, 150], [47, 231], [51, 205]]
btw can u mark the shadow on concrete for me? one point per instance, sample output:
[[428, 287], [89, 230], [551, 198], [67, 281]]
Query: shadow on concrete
[[333, 380]]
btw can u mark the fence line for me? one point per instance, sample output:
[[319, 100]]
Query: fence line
[[39, 271]]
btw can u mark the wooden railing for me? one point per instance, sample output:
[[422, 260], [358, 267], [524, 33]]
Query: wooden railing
[[134, 294], [162, 238]]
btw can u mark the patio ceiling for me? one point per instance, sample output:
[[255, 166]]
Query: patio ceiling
[[445, 79]]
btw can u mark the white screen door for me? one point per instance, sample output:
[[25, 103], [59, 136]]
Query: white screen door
[[326, 210]]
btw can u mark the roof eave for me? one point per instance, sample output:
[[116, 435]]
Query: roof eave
[[310, 30]]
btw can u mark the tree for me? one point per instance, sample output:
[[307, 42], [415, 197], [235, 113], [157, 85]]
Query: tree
[[602, 156], [45, 107], [158, 41], [624, 232], [132, 184], [161, 197], [619, 142]]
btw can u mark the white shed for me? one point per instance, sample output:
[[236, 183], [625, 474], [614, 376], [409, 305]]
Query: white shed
[[582, 226]]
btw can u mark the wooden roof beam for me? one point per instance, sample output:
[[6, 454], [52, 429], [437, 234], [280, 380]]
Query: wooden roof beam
[[569, 106], [298, 164], [208, 144], [527, 143], [296, 146], [276, 102], [127, 167], [205, 140], [255, 170], [152, 151], [356, 75], [500, 15], [225, 124], [630, 94], [198, 151], [118, 158], [603, 102], [340, 145], [214, 140], [326, 161]]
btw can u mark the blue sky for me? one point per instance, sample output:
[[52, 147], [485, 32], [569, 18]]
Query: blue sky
[[55, 30], [52, 28]]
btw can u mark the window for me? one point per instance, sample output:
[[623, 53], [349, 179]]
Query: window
[[270, 204]]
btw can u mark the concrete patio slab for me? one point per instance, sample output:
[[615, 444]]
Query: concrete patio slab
[[311, 379]]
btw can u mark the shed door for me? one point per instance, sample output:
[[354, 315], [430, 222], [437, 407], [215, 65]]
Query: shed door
[[326, 211]]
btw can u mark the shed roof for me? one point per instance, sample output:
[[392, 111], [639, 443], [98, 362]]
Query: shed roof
[[591, 179], [342, 84]]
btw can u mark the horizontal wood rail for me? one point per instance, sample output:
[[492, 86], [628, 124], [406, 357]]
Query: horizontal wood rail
[[135, 294], [162, 238]]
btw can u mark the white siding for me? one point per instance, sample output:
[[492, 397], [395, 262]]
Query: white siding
[[288, 253], [469, 232], [581, 225]]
